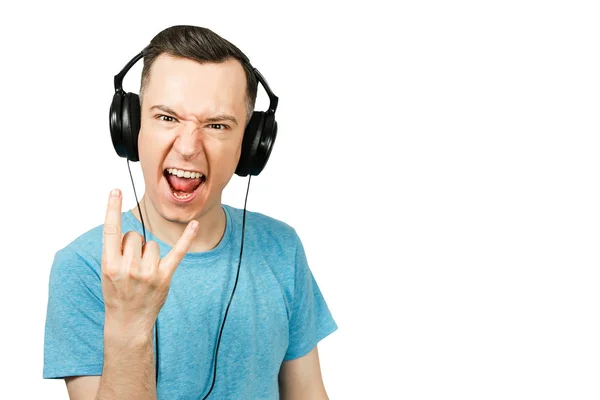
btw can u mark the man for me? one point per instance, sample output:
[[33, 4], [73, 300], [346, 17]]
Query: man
[[121, 311]]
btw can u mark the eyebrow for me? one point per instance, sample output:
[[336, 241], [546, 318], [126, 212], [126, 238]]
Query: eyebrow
[[213, 119], [222, 117]]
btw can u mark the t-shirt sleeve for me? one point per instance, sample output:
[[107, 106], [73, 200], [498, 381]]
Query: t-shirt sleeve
[[310, 319], [74, 331]]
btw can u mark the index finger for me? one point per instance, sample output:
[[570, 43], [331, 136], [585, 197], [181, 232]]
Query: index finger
[[174, 257], [111, 236]]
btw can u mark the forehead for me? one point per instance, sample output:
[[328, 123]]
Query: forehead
[[196, 88]]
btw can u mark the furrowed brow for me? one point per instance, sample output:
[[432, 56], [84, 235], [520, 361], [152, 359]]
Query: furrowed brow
[[222, 117], [210, 120], [164, 109]]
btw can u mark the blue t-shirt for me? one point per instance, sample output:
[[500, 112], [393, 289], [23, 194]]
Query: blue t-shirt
[[277, 313]]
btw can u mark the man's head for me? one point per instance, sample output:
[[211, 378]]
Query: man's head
[[197, 94], [201, 45]]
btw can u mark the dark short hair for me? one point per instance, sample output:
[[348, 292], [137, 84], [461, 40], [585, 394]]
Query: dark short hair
[[202, 45]]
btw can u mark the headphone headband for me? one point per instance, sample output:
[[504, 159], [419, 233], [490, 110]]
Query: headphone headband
[[119, 77], [273, 100]]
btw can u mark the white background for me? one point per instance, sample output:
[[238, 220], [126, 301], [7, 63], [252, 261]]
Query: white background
[[439, 160]]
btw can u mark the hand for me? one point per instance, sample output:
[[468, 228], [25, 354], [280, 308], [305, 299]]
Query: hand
[[135, 281]]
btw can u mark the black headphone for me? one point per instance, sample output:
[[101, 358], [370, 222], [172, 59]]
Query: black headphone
[[125, 119]]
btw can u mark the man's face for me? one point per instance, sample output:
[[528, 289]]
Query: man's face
[[193, 120]]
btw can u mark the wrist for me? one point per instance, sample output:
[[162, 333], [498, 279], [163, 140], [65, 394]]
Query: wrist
[[127, 333]]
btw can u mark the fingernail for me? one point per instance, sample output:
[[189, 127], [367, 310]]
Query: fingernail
[[115, 193], [193, 224]]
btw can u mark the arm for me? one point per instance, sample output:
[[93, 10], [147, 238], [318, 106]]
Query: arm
[[128, 371], [301, 378], [82, 387]]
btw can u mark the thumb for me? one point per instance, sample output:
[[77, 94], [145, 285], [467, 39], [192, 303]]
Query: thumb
[[174, 257]]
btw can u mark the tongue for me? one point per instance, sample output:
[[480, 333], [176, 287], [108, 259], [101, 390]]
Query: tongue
[[186, 185]]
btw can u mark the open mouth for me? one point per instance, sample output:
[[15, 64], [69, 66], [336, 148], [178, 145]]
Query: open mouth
[[183, 183]]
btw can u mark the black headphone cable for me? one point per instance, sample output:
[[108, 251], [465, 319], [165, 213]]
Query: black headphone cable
[[230, 298]]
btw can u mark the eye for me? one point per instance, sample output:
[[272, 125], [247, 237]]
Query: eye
[[218, 126], [165, 118]]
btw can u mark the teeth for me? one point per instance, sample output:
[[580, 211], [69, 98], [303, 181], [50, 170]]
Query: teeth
[[184, 174], [185, 196]]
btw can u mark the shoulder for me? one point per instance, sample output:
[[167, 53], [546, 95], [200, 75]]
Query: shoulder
[[273, 235], [262, 224], [85, 250], [75, 274]]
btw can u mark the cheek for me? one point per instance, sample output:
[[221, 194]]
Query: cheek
[[143, 141], [222, 159], [151, 149]]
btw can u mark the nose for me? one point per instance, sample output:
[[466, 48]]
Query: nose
[[188, 143]]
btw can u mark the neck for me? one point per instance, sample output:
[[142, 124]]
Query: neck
[[211, 227]]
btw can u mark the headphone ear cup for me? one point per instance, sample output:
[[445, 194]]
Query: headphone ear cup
[[265, 144], [250, 143], [130, 122], [116, 132]]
